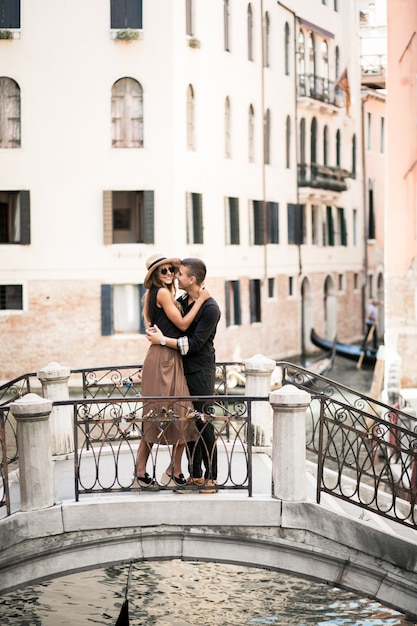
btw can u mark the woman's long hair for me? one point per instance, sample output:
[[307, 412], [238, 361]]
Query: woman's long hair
[[157, 284]]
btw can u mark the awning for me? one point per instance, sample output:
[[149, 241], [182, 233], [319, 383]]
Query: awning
[[317, 29]]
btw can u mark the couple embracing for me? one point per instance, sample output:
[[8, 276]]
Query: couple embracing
[[180, 362]]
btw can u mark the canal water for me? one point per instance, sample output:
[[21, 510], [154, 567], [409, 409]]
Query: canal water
[[176, 593]]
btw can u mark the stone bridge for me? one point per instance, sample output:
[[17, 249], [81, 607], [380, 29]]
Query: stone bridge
[[281, 527]]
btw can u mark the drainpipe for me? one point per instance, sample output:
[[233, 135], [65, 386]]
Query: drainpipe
[[365, 214], [262, 21]]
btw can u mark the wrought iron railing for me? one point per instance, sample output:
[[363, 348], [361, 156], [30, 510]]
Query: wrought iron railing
[[106, 428], [320, 88], [366, 451]]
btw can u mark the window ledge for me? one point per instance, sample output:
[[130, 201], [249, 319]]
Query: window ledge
[[126, 34], [9, 33]]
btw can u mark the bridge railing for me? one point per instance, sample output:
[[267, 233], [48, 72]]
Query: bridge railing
[[366, 451], [107, 433]]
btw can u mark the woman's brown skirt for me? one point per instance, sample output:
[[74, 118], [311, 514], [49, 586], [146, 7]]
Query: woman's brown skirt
[[163, 375]]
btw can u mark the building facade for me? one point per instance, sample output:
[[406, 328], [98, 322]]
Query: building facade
[[222, 129]]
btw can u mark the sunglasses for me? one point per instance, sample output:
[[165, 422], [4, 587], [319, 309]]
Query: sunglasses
[[165, 270]]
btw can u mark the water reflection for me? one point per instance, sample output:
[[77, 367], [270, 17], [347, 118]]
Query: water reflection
[[174, 593]]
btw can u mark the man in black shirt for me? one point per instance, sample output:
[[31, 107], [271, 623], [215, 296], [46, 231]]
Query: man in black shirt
[[197, 349]]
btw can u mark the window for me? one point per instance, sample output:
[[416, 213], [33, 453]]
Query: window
[[250, 32], [227, 130], [295, 217], [127, 114], [267, 137], [336, 5], [287, 49], [382, 135], [128, 216], [272, 288], [272, 226], [10, 14], [190, 118], [341, 282], [315, 225], [15, 217], [303, 141], [255, 300], [355, 227], [354, 156], [291, 286], [226, 25], [371, 210], [121, 309], [233, 308], [338, 148], [11, 298], [194, 207], [288, 142], [126, 13], [355, 280], [258, 222], [341, 227], [189, 17], [325, 67], [232, 222], [9, 112], [311, 63], [329, 234], [301, 63], [251, 135], [325, 145], [368, 131], [266, 39], [313, 141]]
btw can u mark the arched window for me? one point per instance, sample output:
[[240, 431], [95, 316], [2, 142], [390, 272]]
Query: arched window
[[250, 33], [325, 145], [338, 148], [190, 118], [336, 64], [303, 141], [288, 142], [301, 63], [226, 25], [9, 113], [287, 49], [311, 63], [251, 135], [267, 141], [266, 39], [354, 156], [313, 142], [127, 114], [227, 129], [325, 67]]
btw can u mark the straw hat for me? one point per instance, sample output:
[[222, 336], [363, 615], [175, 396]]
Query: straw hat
[[155, 261]]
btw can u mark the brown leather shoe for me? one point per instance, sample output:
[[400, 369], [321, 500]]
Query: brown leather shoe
[[210, 487], [196, 482]]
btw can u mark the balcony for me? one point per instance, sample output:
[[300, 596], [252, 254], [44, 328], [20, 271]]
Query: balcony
[[373, 70], [322, 177], [319, 90]]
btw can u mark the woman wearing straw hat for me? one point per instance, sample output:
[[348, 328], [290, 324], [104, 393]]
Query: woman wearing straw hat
[[163, 371]]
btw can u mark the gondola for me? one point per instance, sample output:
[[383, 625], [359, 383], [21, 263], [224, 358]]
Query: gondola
[[347, 351]]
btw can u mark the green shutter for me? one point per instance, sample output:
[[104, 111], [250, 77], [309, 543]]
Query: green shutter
[[25, 217], [236, 302], [106, 309], [149, 208]]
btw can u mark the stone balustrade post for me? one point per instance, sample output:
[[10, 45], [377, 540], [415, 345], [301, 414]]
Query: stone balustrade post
[[289, 406], [35, 459], [54, 378], [258, 370]]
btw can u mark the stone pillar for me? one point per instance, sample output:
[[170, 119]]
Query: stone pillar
[[258, 370], [289, 443], [35, 459], [54, 378]]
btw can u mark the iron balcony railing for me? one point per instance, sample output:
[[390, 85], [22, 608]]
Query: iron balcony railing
[[320, 88], [328, 177]]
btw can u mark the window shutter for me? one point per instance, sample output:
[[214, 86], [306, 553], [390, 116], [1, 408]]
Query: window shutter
[[24, 217], [234, 221], [258, 223], [198, 218], [149, 210], [295, 223], [272, 217], [10, 14], [106, 309], [227, 301], [141, 320], [330, 225], [107, 217], [236, 302]]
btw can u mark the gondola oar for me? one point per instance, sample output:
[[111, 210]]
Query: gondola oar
[[362, 355], [123, 619]]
